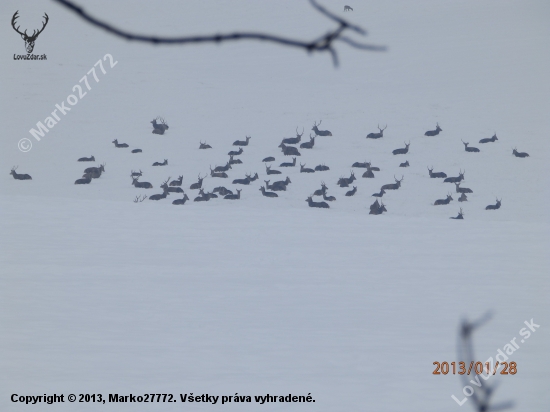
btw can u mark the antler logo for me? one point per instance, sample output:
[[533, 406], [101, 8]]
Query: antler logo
[[29, 40]]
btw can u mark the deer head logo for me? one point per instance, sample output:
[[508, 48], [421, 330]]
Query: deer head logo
[[29, 40]]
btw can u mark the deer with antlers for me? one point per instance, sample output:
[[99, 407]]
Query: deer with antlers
[[159, 128], [177, 182], [204, 146], [137, 174], [141, 185], [18, 176], [403, 150], [445, 201], [459, 178], [310, 144], [393, 186], [492, 139], [29, 40], [495, 206], [294, 140], [320, 132], [377, 135], [460, 215], [434, 132], [197, 185]]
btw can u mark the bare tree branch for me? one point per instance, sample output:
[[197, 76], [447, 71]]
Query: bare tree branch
[[324, 43]]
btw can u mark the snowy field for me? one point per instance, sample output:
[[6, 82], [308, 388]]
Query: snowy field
[[102, 295]]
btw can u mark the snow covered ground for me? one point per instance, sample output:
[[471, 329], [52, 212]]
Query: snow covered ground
[[102, 295]]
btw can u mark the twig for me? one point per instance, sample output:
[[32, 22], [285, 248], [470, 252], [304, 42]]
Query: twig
[[322, 44]]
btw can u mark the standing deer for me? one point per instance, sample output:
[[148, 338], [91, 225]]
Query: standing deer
[[352, 192], [310, 144], [377, 135], [234, 197], [403, 150], [463, 198], [469, 149], [289, 164], [161, 164], [304, 169], [322, 205], [236, 152], [443, 201], [289, 150], [87, 159], [460, 178], [242, 142], [320, 132], [204, 145], [459, 216], [434, 132], [235, 161], [117, 144], [495, 206], [86, 179], [519, 154], [141, 185], [436, 174], [268, 194], [271, 172], [347, 8], [159, 128], [29, 40], [294, 140], [462, 189], [405, 164], [181, 201], [197, 185], [177, 182], [18, 176], [393, 186], [492, 139]]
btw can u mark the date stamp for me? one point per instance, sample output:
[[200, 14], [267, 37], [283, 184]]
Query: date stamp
[[443, 368]]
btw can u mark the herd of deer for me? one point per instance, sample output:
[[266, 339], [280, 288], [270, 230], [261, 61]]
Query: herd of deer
[[287, 148]]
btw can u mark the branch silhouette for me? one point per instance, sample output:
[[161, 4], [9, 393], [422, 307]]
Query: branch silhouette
[[323, 43]]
